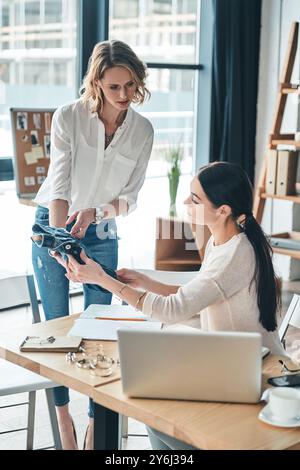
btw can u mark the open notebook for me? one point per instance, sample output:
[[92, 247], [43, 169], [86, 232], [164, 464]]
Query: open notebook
[[112, 312], [106, 330]]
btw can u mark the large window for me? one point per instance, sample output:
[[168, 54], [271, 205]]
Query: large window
[[164, 33], [38, 56], [53, 11]]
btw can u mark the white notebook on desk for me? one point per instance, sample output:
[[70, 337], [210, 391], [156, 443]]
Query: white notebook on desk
[[112, 312], [106, 330]]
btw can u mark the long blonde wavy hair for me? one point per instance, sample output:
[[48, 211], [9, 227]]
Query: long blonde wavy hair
[[108, 54]]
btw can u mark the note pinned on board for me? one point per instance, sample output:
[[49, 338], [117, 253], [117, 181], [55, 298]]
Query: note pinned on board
[[106, 330], [30, 158], [38, 152]]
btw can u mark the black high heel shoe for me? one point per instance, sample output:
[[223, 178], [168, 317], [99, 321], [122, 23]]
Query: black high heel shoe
[[74, 434], [85, 438]]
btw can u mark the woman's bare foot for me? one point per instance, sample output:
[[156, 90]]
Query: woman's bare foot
[[66, 428], [89, 436]]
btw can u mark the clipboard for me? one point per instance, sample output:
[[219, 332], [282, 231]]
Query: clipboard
[[51, 344]]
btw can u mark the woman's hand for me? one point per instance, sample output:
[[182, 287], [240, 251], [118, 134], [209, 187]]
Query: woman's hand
[[59, 258], [88, 273], [131, 278], [83, 221]]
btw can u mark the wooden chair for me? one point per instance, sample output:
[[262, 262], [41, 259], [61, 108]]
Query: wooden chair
[[292, 317], [15, 379], [173, 278]]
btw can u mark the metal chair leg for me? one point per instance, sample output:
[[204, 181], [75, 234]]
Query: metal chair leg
[[30, 421], [53, 419], [124, 429], [124, 426]]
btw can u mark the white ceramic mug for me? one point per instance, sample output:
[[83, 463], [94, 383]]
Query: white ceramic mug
[[284, 403]]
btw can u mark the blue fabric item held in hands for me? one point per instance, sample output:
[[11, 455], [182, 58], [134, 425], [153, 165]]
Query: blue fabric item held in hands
[[61, 241]]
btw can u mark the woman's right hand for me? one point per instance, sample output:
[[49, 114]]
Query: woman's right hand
[[131, 278]]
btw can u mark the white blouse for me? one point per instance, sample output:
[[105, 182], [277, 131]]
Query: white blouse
[[86, 174]]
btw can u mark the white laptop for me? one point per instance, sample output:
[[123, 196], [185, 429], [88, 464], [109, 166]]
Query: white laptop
[[191, 365]]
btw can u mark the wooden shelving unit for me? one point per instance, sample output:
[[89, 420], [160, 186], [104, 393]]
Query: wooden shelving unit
[[276, 138], [286, 89], [174, 238], [27, 202]]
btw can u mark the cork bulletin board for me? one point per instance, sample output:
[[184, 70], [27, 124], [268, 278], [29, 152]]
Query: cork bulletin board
[[31, 137]]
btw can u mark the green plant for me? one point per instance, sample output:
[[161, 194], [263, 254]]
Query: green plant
[[174, 156]]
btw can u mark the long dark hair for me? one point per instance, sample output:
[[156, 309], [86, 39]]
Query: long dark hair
[[226, 183]]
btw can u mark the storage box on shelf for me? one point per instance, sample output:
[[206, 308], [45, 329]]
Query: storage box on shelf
[[175, 248]]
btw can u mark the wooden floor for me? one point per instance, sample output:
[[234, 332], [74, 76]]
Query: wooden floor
[[16, 417]]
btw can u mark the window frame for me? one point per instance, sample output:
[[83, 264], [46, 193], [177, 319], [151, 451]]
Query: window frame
[[6, 162]]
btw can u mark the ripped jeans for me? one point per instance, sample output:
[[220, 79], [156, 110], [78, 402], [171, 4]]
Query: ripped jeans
[[54, 286]]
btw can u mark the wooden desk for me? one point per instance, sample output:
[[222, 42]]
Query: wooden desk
[[171, 253], [208, 426], [204, 425]]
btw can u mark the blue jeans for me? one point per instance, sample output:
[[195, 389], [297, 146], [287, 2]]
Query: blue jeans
[[54, 286]]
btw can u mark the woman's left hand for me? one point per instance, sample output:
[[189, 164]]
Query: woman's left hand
[[83, 221], [88, 273], [59, 259]]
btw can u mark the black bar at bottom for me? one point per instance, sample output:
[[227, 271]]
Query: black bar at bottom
[[106, 429]]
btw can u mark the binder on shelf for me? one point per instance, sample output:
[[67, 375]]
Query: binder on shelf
[[51, 344], [286, 240], [286, 187], [272, 158], [286, 173]]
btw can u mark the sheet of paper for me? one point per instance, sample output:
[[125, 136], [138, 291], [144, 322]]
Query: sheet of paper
[[106, 330], [38, 152], [29, 180], [112, 311], [30, 158]]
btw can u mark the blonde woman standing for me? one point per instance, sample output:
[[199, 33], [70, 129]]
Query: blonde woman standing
[[100, 148]]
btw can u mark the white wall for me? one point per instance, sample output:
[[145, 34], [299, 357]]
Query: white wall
[[277, 16]]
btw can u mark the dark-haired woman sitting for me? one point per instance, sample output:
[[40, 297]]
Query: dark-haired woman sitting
[[236, 288]]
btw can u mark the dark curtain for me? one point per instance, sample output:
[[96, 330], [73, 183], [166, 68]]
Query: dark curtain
[[235, 82]]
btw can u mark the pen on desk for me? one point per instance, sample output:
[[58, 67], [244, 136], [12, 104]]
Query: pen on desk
[[121, 319]]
